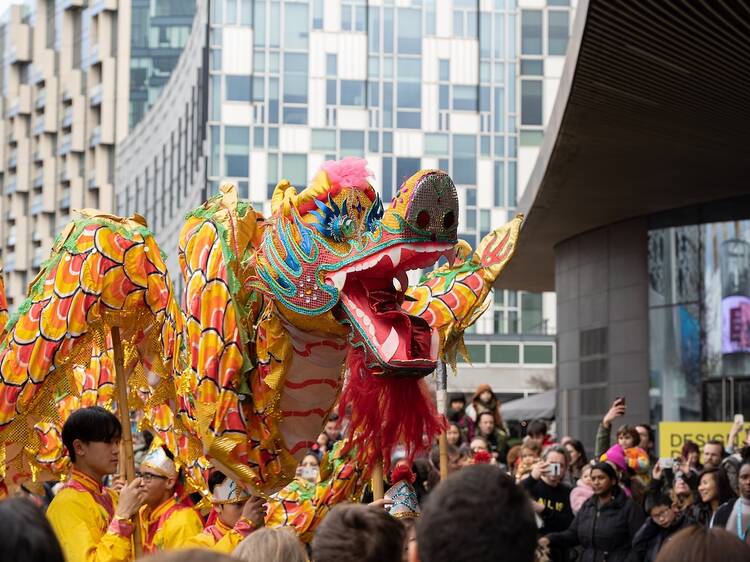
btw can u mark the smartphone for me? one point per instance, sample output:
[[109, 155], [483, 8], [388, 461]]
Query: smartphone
[[621, 399], [553, 469], [739, 418], [666, 462]]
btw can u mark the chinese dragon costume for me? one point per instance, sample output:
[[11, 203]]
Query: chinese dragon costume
[[281, 317]]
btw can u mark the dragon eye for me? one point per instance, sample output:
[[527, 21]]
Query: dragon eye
[[347, 228]]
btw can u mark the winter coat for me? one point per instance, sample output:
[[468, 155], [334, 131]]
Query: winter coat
[[721, 517], [651, 537], [606, 532]]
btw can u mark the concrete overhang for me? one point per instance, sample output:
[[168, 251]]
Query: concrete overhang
[[652, 113]]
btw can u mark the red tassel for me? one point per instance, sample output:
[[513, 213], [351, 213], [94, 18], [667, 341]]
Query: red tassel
[[387, 411], [482, 457], [402, 472]]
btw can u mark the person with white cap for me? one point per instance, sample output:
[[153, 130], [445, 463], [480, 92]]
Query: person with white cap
[[165, 523], [237, 515]]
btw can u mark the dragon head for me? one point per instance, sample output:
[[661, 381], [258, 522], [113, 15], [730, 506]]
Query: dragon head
[[332, 253]]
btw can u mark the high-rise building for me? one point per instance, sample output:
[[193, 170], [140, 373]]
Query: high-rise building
[[68, 81], [464, 85]]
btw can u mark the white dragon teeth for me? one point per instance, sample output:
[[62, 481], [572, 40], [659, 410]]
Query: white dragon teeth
[[390, 345], [338, 279]]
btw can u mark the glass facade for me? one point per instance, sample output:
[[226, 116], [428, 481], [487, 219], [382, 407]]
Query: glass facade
[[699, 321], [293, 83], [159, 30]]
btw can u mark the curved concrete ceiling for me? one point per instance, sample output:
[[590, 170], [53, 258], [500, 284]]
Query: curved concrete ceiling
[[652, 113]]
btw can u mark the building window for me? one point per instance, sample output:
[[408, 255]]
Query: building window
[[409, 31], [405, 168], [353, 92], [444, 70], [323, 140], [465, 18], [538, 354], [532, 321], [465, 98], [464, 167], [296, 26], [531, 32], [557, 32], [238, 88], [331, 65], [294, 168], [504, 353], [531, 102], [352, 143], [352, 15], [295, 78], [236, 151], [318, 14]]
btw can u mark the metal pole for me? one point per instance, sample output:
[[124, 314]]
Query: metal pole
[[441, 385]]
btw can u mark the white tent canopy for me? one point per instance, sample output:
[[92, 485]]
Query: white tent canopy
[[540, 405]]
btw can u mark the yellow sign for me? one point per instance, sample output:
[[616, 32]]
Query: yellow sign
[[673, 435]]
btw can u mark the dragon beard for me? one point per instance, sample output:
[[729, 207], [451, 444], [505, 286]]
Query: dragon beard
[[386, 412]]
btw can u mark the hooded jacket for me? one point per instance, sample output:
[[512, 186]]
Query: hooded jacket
[[606, 532]]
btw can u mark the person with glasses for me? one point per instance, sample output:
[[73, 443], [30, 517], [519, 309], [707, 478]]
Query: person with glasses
[[165, 523], [237, 515], [91, 522], [663, 522]]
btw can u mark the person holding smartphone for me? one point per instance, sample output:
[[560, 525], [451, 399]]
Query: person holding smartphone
[[551, 495]]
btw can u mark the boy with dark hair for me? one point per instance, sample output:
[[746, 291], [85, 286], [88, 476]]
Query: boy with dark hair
[[537, 431], [89, 520], [457, 414], [361, 533], [663, 522], [477, 515]]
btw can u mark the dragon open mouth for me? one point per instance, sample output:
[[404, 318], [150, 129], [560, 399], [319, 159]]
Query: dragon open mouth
[[372, 291]]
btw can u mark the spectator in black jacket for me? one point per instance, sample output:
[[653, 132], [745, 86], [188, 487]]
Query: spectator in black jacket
[[551, 494], [606, 525], [734, 515], [662, 523]]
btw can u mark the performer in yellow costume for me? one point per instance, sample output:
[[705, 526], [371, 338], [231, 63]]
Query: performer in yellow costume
[[238, 515], [165, 523], [89, 521]]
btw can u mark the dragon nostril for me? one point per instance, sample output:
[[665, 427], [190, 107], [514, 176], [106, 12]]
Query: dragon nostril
[[423, 219], [449, 220]]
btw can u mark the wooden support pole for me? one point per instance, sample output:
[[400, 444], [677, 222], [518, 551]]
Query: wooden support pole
[[441, 386], [123, 412], [377, 481]]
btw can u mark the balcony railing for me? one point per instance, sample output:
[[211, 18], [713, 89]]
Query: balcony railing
[[64, 146], [38, 127], [96, 136], [95, 95], [38, 181], [10, 187], [41, 99], [67, 120]]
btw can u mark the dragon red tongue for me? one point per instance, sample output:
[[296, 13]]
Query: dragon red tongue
[[387, 411]]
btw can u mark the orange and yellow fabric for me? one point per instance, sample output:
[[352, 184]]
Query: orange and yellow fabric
[[221, 537], [168, 527], [82, 516]]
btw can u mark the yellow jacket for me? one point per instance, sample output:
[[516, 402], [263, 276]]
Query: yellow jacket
[[168, 527], [221, 538], [82, 517]]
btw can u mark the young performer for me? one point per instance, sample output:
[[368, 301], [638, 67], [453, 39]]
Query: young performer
[[90, 522], [165, 524], [238, 515]]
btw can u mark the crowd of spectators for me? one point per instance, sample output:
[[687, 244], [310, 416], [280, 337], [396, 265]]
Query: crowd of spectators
[[536, 498]]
